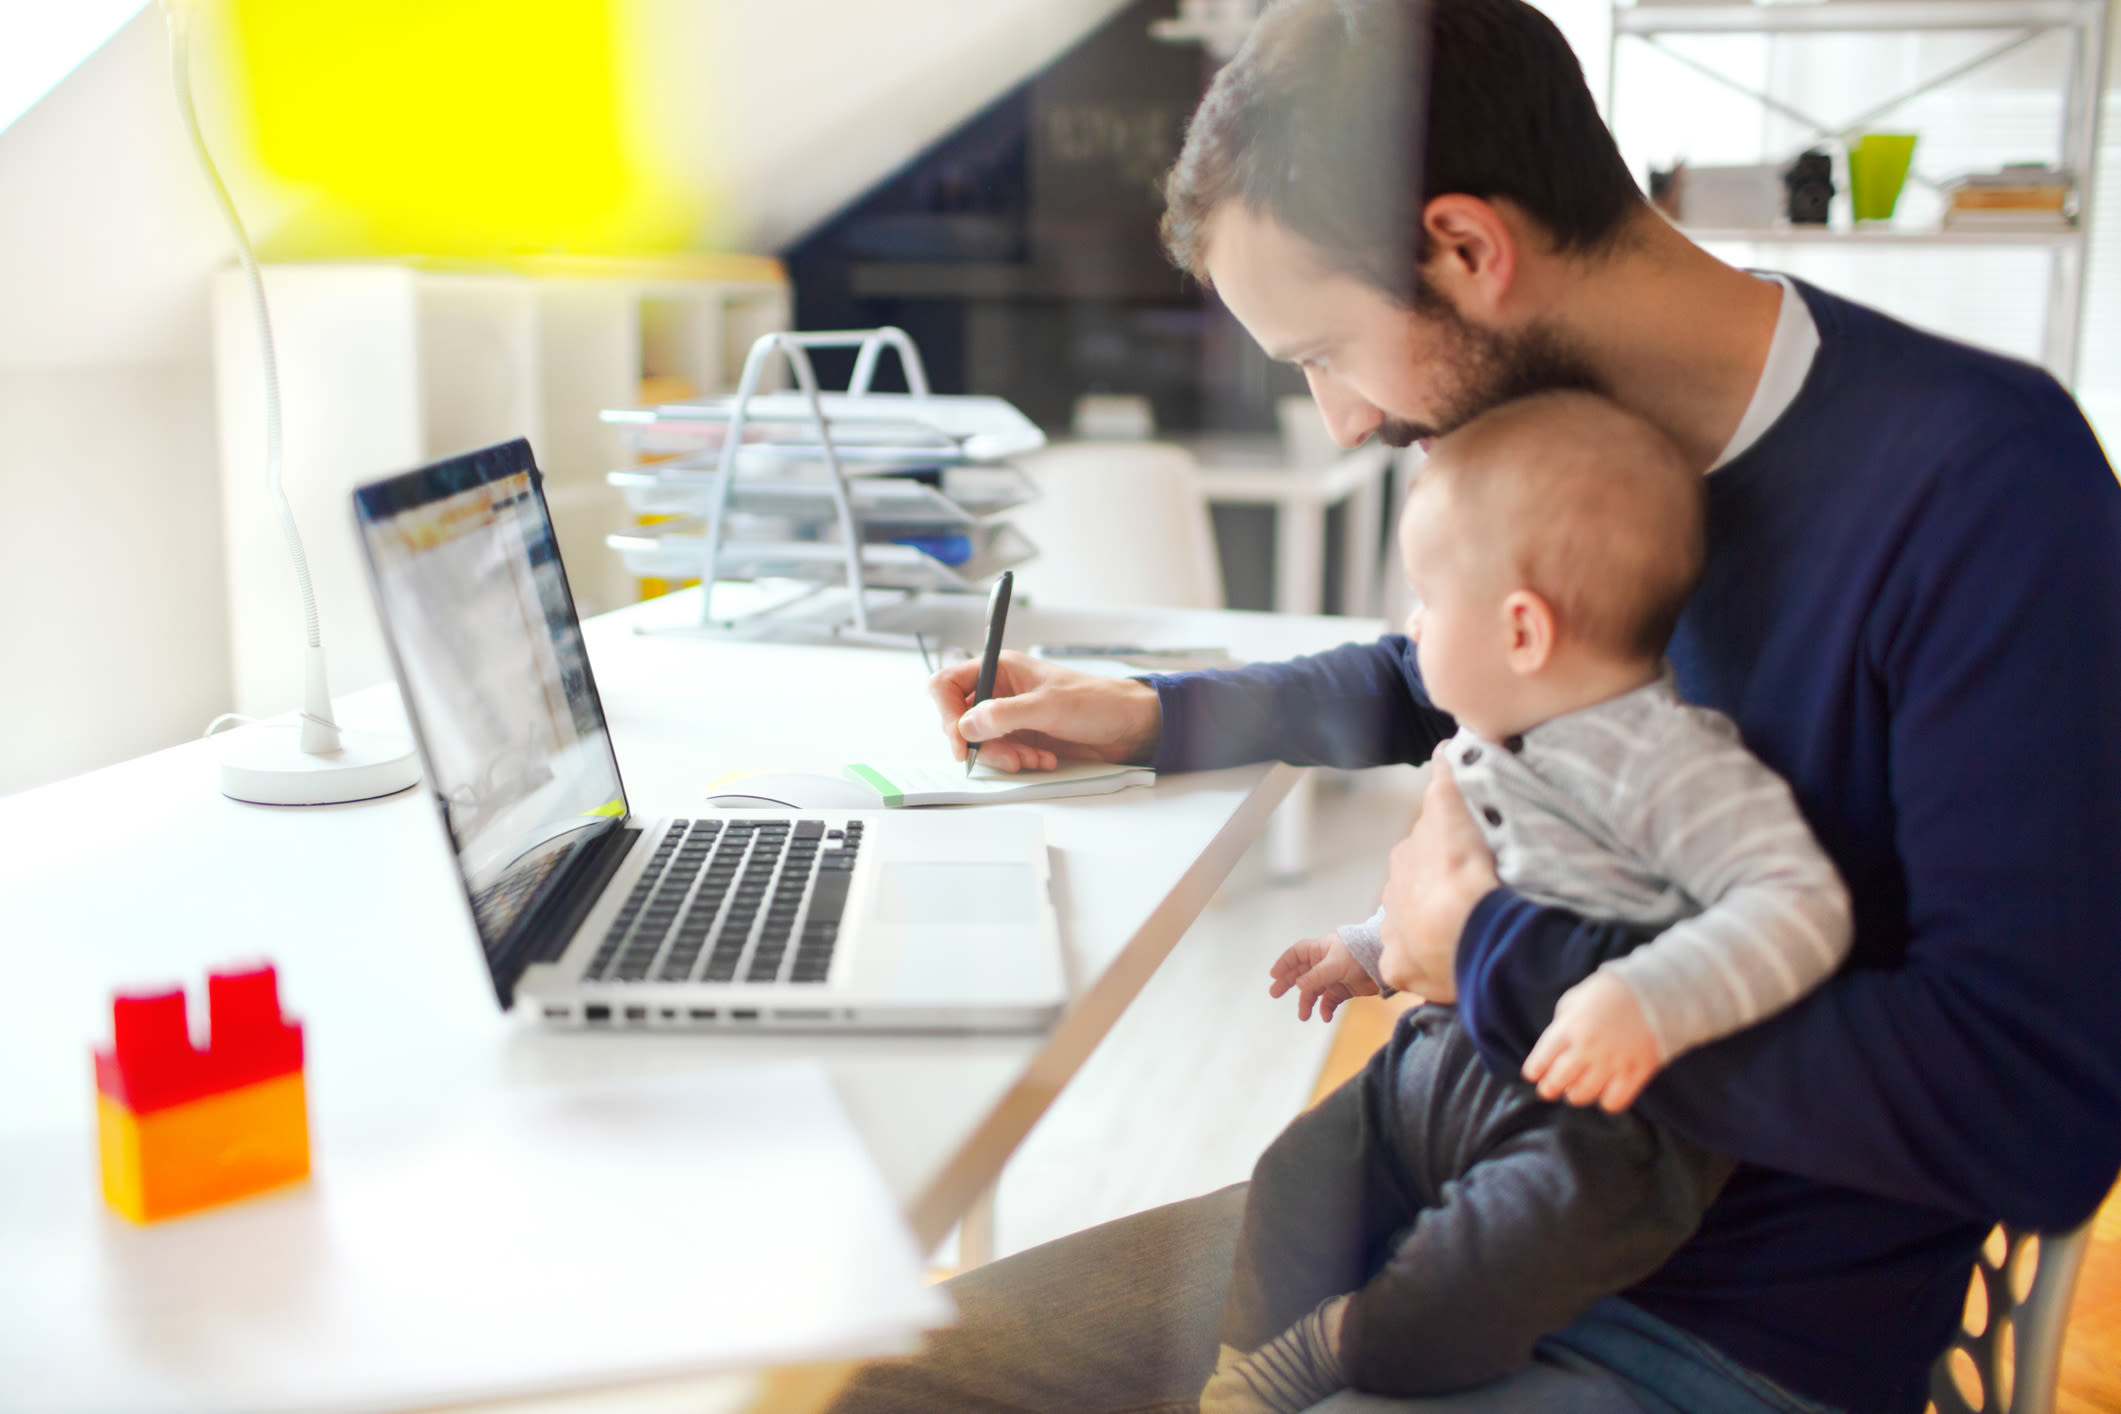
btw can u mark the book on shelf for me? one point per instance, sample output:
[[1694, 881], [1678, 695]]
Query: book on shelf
[[2006, 219]]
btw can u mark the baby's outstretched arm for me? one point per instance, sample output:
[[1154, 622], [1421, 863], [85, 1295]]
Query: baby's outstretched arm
[[1324, 973]]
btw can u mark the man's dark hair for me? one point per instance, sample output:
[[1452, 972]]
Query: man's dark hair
[[1337, 113]]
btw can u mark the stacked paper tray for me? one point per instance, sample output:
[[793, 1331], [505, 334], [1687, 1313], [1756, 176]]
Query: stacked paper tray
[[678, 550], [959, 495], [866, 428]]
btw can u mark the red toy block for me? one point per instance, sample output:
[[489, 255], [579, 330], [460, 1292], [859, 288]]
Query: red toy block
[[182, 1128], [151, 1063]]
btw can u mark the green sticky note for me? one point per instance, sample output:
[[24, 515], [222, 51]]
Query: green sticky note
[[876, 781]]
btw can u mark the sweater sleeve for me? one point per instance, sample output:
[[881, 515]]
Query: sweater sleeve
[[1977, 1070], [1365, 942], [1358, 705], [1774, 921]]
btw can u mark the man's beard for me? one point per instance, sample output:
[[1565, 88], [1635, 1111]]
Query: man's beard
[[1491, 369]]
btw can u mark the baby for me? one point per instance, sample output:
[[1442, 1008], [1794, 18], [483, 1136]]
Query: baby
[[1420, 1228]]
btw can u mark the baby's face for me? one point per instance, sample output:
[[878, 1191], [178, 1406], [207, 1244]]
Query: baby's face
[[1458, 622]]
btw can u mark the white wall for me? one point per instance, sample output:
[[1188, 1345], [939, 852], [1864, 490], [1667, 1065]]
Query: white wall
[[112, 640], [112, 613]]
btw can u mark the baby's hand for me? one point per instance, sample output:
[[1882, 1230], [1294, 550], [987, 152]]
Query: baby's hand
[[1598, 1049], [1323, 972]]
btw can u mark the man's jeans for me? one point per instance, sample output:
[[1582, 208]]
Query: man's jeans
[[1120, 1319]]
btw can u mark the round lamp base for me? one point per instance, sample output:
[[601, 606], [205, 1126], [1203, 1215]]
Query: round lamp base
[[265, 765]]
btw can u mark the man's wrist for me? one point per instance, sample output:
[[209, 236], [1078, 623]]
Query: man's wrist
[[1148, 704]]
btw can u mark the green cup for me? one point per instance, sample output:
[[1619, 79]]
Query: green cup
[[1878, 164]]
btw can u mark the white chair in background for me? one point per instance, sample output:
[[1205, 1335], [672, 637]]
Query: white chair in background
[[1119, 524]]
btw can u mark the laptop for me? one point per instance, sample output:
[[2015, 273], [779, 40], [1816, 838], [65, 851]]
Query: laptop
[[594, 917]]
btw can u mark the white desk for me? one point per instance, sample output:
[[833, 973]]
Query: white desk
[[142, 872], [1256, 472]]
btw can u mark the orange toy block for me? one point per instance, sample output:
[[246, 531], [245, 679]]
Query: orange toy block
[[181, 1128]]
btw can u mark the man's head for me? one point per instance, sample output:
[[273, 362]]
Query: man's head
[[1366, 184], [1550, 545]]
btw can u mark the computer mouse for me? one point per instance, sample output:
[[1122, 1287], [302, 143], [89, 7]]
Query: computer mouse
[[795, 790]]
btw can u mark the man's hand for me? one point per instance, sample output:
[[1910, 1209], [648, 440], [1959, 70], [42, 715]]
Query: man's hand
[[1598, 1049], [1041, 712], [1324, 974], [1438, 872]]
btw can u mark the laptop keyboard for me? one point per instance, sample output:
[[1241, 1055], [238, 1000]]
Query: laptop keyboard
[[730, 900]]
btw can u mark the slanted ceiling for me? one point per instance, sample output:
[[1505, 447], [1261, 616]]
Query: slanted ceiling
[[41, 45]]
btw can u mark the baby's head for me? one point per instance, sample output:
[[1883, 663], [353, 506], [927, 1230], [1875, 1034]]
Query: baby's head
[[1550, 544]]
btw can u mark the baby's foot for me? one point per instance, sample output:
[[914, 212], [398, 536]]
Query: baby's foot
[[1287, 1375]]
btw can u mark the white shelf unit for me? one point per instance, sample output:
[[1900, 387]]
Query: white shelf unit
[[2083, 25], [789, 486], [389, 365]]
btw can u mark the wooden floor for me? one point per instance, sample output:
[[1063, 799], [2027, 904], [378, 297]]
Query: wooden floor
[[2091, 1355]]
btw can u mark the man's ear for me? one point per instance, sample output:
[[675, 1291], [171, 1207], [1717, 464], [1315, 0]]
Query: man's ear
[[1472, 255], [1528, 620]]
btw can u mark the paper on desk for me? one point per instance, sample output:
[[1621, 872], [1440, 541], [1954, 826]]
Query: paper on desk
[[920, 783], [557, 1239]]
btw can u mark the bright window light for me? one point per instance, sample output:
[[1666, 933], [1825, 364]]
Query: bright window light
[[41, 42]]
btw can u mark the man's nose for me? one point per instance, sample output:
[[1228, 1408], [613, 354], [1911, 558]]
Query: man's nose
[[1349, 419]]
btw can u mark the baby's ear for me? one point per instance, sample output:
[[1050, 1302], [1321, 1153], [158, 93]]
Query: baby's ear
[[1528, 622]]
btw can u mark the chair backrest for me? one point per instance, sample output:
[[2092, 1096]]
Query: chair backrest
[[2006, 1356], [1119, 523]]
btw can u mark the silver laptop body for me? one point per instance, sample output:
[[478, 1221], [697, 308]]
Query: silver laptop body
[[932, 920]]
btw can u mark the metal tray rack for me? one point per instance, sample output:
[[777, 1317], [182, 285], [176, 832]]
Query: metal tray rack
[[783, 485]]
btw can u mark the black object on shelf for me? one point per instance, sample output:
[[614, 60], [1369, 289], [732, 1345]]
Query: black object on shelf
[[1810, 183]]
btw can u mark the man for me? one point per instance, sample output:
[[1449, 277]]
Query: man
[[1912, 609]]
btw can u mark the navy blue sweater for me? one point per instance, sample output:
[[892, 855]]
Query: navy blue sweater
[[1912, 610]]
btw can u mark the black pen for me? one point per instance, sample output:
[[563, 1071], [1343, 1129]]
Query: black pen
[[997, 615]]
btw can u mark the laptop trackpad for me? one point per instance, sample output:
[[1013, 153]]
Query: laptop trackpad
[[964, 930], [928, 893]]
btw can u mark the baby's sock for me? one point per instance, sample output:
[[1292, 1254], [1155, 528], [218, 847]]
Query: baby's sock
[[1287, 1375]]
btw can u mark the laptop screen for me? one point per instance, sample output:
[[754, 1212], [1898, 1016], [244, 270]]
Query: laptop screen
[[479, 619]]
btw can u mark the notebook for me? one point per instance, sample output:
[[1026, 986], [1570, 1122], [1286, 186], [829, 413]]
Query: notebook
[[947, 784]]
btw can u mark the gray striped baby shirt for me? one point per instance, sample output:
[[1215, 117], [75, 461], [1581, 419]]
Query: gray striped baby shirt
[[1646, 811]]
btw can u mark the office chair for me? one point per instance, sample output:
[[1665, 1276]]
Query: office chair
[[2012, 1363]]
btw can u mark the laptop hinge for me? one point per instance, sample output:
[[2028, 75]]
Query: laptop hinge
[[553, 922]]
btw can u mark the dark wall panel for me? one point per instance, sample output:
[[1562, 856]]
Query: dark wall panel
[[1021, 250]]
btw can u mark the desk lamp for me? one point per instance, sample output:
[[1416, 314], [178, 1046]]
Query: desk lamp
[[274, 763]]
